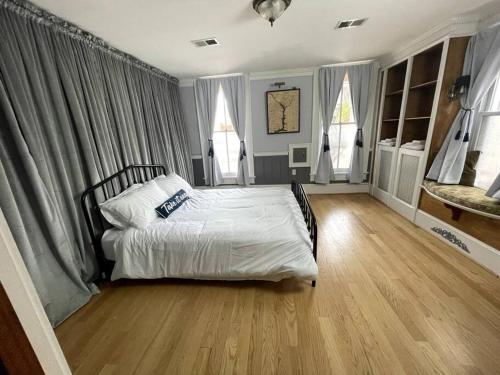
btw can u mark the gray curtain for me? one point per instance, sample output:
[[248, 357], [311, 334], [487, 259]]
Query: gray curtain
[[72, 111], [206, 91], [494, 189], [235, 94], [482, 63], [330, 84], [359, 81]]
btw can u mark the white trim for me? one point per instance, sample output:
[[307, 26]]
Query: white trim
[[291, 163], [186, 82], [361, 62], [270, 153], [340, 188], [196, 157], [26, 303], [222, 75], [479, 252], [455, 27], [271, 74], [489, 21]]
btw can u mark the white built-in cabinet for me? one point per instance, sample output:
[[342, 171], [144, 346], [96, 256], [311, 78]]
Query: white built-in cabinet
[[408, 106]]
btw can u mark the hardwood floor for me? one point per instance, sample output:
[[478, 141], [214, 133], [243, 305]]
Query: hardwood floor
[[390, 299]]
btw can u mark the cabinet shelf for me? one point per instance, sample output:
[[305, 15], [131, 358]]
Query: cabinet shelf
[[417, 118], [424, 85], [393, 93], [390, 120]]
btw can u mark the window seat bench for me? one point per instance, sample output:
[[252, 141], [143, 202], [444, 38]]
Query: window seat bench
[[466, 198]]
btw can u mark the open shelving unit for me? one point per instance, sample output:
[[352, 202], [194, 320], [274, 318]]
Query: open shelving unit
[[407, 113], [394, 90], [421, 92]]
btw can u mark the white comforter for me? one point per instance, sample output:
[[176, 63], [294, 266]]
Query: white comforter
[[228, 234]]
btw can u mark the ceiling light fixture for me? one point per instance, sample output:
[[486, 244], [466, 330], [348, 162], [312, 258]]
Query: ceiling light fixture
[[271, 10]]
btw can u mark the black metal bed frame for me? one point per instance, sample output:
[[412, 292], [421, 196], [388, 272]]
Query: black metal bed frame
[[140, 173], [310, 219]]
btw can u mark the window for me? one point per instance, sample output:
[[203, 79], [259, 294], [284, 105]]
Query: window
[[226, 141], [342, 130], [487, 137]]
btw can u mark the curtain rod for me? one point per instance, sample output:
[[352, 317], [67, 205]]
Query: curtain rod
[[30, 11]]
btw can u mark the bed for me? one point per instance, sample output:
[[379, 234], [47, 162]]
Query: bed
[[219, 234]]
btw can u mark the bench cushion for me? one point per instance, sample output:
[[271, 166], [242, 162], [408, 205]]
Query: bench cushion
[[467, 196]]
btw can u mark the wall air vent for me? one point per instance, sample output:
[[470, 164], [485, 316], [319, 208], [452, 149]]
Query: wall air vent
[[205, 42], [350, 23]]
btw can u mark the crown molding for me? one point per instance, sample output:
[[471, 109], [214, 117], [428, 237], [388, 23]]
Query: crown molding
[[187, 82], [455, 27], [286, 73], [271, 74], [490, 21]]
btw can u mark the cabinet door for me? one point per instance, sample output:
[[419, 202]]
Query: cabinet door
[[406, 176], [384, 172]]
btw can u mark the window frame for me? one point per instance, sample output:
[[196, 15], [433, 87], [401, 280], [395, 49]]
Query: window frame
[[231, 177], [340, 172], [483, 113]]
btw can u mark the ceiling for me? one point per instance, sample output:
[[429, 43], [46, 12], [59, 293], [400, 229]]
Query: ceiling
[[159, 31]]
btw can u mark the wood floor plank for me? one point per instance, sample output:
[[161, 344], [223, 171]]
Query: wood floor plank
[[390, 299]]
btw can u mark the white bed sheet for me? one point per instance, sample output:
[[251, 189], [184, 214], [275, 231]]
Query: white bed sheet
[[223, 234]]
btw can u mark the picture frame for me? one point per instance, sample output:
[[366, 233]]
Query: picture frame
[[283, 111]]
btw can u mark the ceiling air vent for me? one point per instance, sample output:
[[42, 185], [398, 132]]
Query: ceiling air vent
[[205, 42], [350, 23]]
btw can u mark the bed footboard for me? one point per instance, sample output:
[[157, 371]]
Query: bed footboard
[[310, 219]]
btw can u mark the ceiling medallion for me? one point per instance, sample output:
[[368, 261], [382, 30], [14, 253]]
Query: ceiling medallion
[[271, 10]]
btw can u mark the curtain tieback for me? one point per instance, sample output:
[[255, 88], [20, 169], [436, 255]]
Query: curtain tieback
[[326, 142], [243, 151], [467, 125], [210, 148], [359, 138]]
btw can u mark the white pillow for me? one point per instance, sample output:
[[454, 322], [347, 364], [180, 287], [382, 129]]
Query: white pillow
[[115, 221], [135, 209], [172, 183]]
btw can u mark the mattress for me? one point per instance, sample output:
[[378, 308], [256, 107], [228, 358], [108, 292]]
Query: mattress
[[223, 234]]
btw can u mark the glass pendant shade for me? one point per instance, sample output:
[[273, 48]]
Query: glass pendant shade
[[271, 10]]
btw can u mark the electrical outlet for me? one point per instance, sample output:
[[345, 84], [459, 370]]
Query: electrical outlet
[[294, 172]]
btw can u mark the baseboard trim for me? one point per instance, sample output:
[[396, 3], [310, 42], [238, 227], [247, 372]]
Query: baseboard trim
[[478, 251], [341, 188]]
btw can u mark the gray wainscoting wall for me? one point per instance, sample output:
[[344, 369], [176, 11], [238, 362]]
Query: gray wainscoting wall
[[271, 170], [199, 176]]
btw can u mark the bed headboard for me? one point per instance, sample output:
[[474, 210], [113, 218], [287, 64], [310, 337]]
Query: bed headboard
[[106, 189]]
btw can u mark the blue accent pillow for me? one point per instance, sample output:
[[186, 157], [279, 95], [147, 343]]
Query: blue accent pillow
[[172, 204]]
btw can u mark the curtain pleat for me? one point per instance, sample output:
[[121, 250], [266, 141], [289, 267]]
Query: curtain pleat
[[235, 93], [72, 111], [359, 82], [482, 64], [206, 91], [330, 85]]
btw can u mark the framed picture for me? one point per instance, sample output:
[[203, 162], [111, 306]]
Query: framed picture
[[283, 111]]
